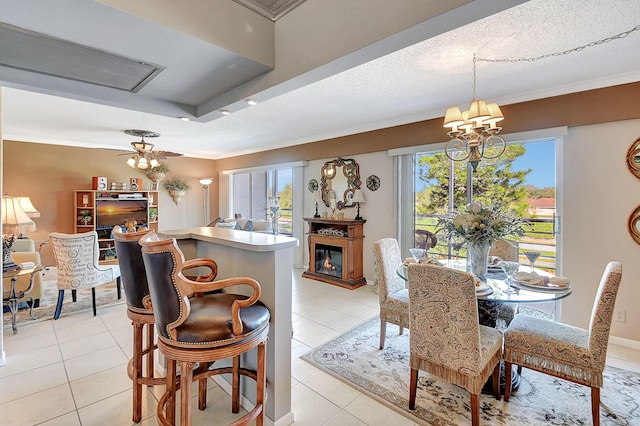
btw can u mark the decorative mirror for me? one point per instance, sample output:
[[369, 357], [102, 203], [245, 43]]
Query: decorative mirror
[[634, 225], [342, 176], [633, 158]]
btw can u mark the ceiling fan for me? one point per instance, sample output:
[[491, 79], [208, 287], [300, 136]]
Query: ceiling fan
[[145, 156]]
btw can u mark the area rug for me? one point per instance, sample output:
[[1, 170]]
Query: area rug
[[105, 295], [354, 358]]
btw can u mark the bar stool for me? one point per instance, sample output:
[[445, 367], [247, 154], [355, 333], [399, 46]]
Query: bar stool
[[198, 327], [139, 310]]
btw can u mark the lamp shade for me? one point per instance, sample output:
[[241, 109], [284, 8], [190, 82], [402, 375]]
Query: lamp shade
[[453, 117], [317, 197], [206, 181], [358, 196], [28, 207], [13, 216]]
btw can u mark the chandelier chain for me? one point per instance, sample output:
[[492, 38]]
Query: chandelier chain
[[555, 54]]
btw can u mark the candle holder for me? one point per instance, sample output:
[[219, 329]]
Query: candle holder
[[274, 207]]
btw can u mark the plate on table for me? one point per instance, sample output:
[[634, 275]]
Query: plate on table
[[483, 289], [540, 286]]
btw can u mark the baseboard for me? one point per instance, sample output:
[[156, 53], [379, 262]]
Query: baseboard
[[627, 343]]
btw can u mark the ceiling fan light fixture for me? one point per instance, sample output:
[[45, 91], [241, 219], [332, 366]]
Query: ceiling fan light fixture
[[142, 163], [131, 162], [154, 162]]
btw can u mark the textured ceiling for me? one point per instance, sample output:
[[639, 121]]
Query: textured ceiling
[[412, 83]]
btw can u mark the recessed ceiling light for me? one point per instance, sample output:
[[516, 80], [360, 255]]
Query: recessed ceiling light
[[252, 102], [225, 112], [185, 119]]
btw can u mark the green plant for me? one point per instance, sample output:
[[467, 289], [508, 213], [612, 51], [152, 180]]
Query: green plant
[[176, 184], [85, 216], [110, 253], [160, 168], [153, 211]]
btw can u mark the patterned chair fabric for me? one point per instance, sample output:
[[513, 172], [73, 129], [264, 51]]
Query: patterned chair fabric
[[392, 291], [446, 338], [565, 351], [506, 250], [77, 261]]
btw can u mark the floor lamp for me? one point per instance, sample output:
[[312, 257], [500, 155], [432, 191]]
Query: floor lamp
[[205, 182]]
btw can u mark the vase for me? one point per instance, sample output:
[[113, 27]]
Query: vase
[[176, 195], [477, 258]]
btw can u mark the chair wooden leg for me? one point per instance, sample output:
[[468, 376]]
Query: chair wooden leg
[[118, 288], [496, 381], [186, 377], [235, 385], [519, 370], [171, 381], [93, 300], [475, 409], [202, 386], [261, 379], [151, 351], [74, 296], [595, 405], [383, 331], [507, 378], [137, 372], [401, 330], [56, 315], [413, 386]]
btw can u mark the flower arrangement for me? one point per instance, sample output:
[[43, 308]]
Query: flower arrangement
[[480, 225]]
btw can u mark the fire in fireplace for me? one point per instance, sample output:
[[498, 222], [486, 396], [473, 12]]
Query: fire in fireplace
[[329, 260]]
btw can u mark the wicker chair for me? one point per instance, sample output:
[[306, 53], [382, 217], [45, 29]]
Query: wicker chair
[[392, 291], [446, 339], [195, 326], [564, 351], [77, 261]]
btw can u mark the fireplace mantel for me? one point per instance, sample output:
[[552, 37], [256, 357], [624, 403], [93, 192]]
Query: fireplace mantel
[[335, 251]]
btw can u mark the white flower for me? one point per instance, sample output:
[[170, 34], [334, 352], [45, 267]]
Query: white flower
[[474, 207]]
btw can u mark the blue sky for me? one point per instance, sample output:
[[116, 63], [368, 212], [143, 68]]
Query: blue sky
[[540, 158]]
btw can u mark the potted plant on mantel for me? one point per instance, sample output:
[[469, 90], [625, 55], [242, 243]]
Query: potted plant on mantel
[[177, 187]]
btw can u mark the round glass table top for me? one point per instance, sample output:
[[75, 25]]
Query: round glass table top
[[496, 281]]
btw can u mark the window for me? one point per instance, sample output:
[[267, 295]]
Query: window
[[523, 179], [251, 192]]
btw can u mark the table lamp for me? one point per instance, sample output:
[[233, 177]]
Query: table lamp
[[31, 211], [358, 197], [13, 218]]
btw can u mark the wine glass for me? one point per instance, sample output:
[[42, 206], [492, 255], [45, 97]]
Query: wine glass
[[510, 269], [456, 245], [532, 256], [417, 253]]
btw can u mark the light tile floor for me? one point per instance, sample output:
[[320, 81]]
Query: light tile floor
[[73, 371]]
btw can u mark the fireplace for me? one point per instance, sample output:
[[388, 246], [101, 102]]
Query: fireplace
[[329, 260], [335, 252]]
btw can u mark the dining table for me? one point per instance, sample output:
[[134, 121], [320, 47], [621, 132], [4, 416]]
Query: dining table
[[494, 298]]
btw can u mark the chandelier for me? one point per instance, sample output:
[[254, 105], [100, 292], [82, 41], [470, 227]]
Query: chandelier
[[474, 134]]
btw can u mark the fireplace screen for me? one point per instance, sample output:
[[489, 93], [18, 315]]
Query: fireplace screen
[[329, 260]]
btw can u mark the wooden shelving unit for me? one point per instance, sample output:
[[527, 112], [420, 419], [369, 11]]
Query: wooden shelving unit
[[85, 200]]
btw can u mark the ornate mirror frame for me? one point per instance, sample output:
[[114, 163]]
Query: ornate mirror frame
[[342, 176], [633, 158], [634, 225]]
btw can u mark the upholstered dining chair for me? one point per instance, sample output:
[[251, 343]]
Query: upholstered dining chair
[[195, 326], [506, 250], [565, 351], [77, 262], [446, 339], [392, 291]]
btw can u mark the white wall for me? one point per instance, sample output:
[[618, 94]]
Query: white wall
[[378, 210], [599, 195]]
